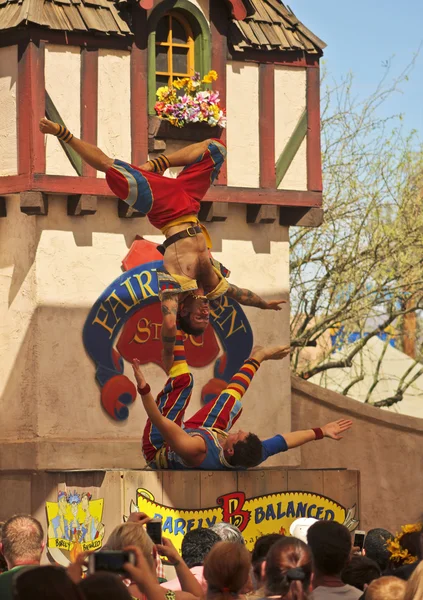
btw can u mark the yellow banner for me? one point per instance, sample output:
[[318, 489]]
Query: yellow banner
[[254, 517], [74, 525]]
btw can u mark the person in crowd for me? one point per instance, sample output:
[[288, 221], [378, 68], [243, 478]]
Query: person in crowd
[[3, 563], [414, 589], [227, 570], [330, 544], [228, 532], [196, 544], [133, 535], [288, 570], [45, 583], [104, 586], [360, 571], [386, 588], [258, 560], [375, 546], [22, 543], [144, 578], [299, 528], [406, 551]]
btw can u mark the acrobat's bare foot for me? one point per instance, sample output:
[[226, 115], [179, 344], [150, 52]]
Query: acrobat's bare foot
[[47, 126], [261, 353]]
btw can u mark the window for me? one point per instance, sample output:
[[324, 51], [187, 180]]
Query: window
[[178, 44], [174, 49]]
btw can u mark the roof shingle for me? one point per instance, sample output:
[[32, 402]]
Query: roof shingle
[[273, 26], [64, 15], [270, 25]]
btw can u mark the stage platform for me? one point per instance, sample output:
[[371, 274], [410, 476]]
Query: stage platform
[[92, 503]]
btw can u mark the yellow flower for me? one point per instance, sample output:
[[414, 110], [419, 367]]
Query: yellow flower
[[210, 77], [180, 83], [162, 93]]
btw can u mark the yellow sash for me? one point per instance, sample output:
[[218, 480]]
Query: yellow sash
[[188, 219]]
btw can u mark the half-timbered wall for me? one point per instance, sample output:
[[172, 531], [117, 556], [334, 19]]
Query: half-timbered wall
[[63, 85], [8, 111], [242, 105], [114, 104], [290, 104]]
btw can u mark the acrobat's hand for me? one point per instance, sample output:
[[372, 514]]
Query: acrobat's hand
[[274, 305], [141, 382], [333, 430], [47, 126]]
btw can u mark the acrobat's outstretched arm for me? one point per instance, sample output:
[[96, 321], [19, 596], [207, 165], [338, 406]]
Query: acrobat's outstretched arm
[[89, 153], [294, 439], [249, 298]]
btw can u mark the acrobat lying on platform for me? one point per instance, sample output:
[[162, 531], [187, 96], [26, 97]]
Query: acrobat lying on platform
[[204, 441], [190, 278]]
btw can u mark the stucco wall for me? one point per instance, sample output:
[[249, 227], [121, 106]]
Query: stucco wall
[[8, 122], [114, 104], [63, 84], [290, 103], [386, 448], [54, 269], [242, 105]]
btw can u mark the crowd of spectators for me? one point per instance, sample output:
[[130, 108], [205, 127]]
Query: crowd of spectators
[[320, 563]]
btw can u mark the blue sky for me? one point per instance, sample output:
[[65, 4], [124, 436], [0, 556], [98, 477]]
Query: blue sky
[[361, 36]]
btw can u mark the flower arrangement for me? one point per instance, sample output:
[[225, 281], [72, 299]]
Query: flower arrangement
[[195, 105], [399, 554]]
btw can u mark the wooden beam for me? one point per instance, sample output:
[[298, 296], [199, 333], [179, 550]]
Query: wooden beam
[[219, 24], [56, 184], [13, 184], [126, 212], [3, 207], [34, 203], [155, 145], [262, 213], [139, 87], [300, 217], [293, 145], [79, 206], [267, 125], [89, 102], [31, 107], [282, 58], [213, 211], [314, 151]]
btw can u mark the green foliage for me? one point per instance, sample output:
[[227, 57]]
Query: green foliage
[[363, 267]]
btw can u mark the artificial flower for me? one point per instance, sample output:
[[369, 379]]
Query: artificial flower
[[195, 105]]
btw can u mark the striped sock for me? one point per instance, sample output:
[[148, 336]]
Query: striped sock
[[240, 382], [179, 350]]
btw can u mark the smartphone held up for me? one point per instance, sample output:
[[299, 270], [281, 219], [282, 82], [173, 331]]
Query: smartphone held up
[[154, 530], [110, 561]]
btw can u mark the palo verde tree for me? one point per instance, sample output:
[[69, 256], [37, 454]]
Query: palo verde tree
[[360, 274]]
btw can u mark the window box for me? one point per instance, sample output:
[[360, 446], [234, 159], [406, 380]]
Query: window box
[[192, 132]]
